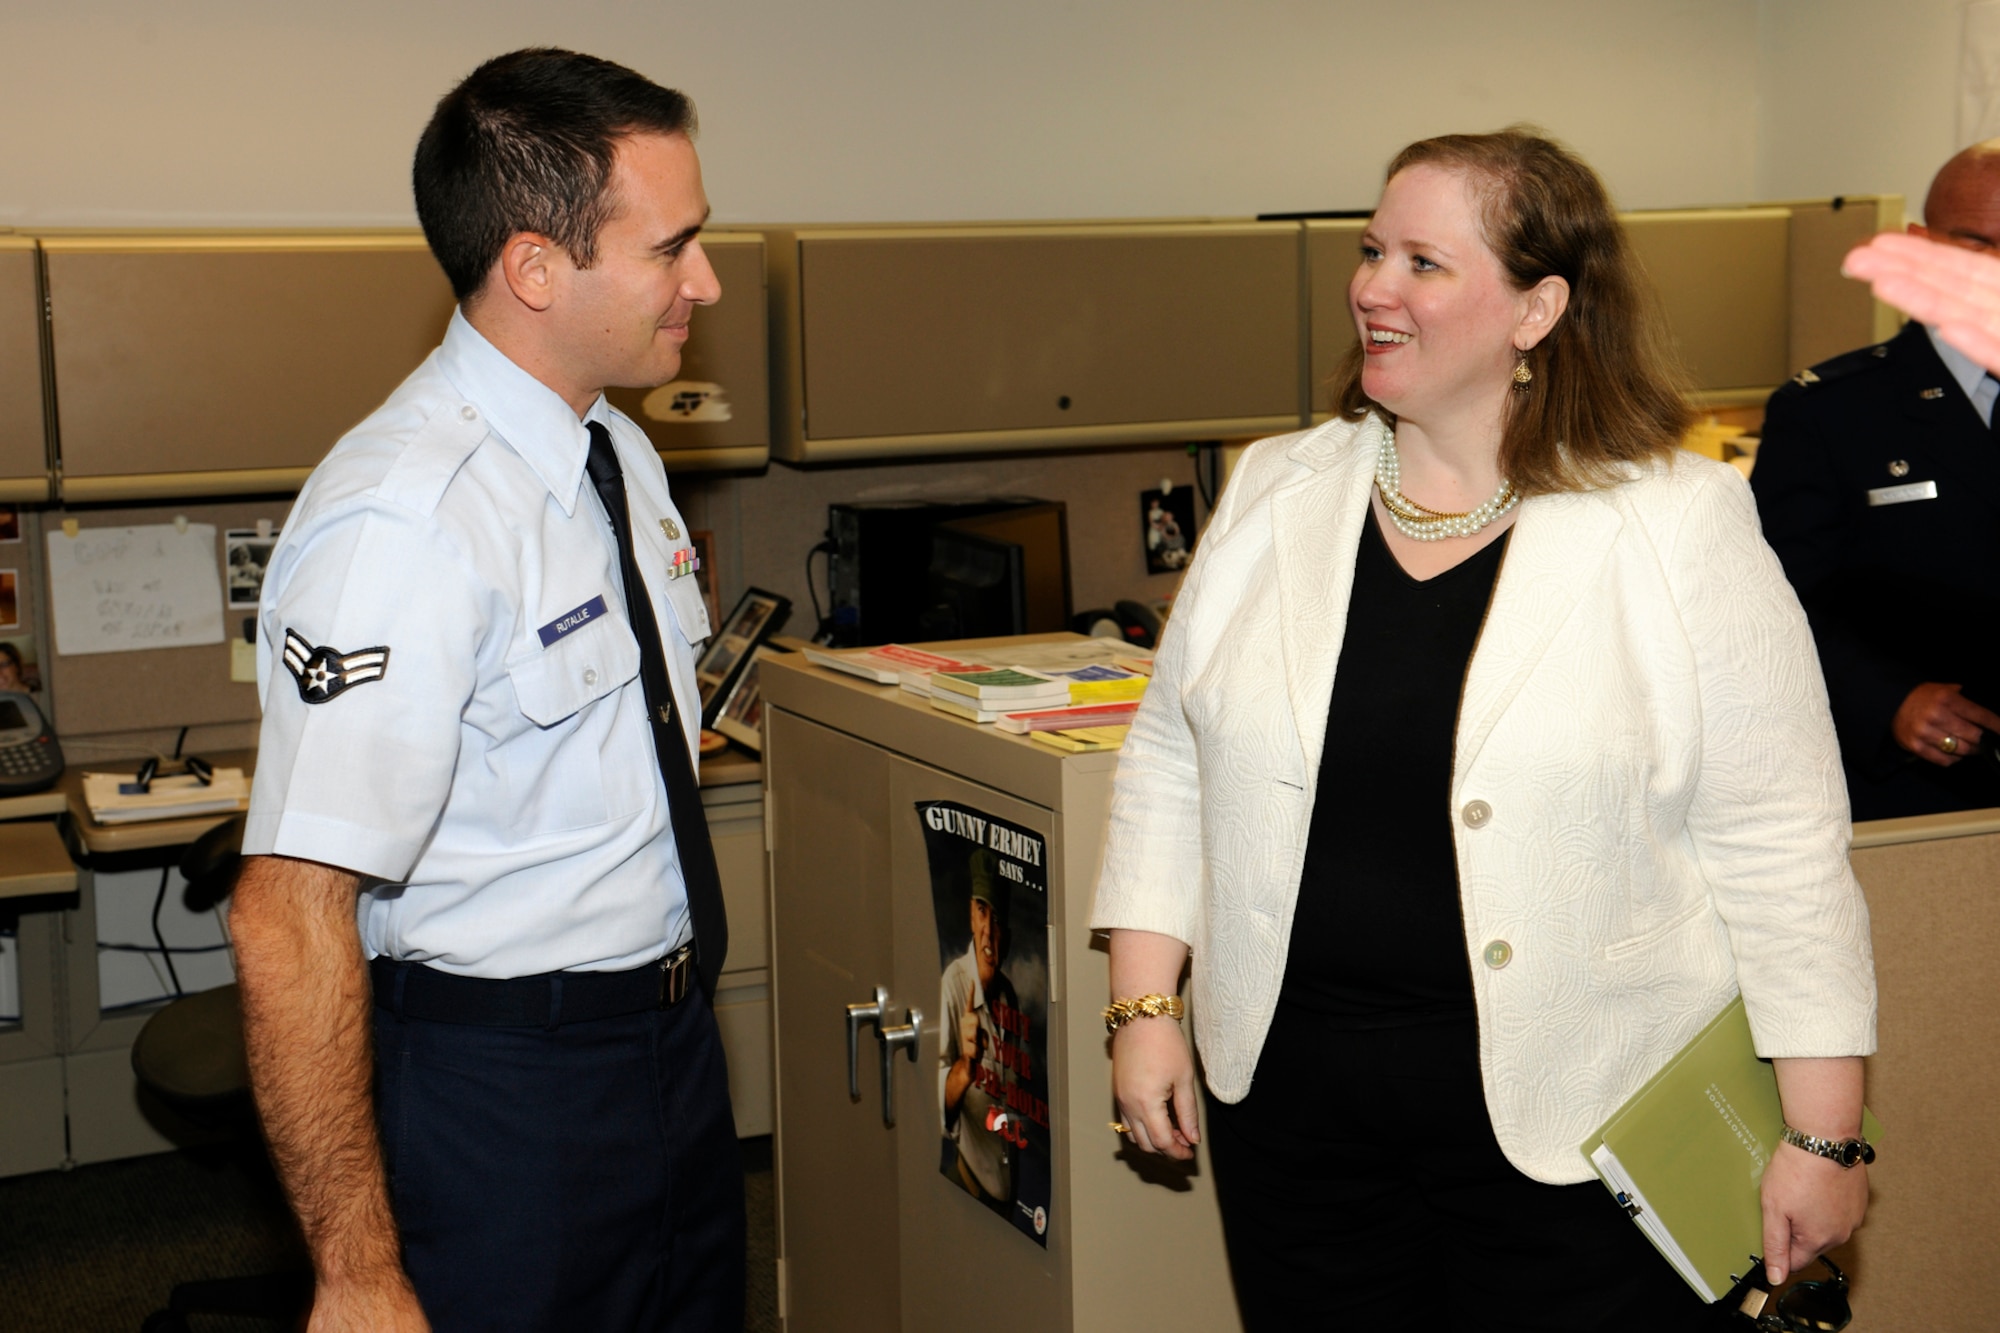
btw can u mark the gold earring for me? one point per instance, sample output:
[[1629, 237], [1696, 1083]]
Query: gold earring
[[1523, 376]]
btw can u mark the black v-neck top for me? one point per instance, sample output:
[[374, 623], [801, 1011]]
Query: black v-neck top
[[1378, 939]]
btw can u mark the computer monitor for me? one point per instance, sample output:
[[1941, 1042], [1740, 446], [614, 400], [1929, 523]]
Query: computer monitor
[[1001, 573]]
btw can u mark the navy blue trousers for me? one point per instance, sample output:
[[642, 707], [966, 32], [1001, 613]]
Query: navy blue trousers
[[582, 1176]]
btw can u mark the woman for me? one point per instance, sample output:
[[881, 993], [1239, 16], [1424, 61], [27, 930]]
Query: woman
[[1486, 758]]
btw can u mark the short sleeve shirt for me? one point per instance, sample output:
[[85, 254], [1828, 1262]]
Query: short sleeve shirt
[[452, 703]]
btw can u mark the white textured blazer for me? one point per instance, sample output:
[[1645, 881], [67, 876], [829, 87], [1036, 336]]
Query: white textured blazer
[[1646, 795]]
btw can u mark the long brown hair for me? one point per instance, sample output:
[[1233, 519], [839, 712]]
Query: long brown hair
[[1607, 387]]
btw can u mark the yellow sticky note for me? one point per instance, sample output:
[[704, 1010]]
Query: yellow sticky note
[[242, 661]]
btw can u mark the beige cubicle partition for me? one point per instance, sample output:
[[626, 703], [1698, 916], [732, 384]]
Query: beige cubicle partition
[[1926, 1258], [1831, 314], [716, 414], [1333, 249], [24, 461], [934, 340], [227, 364], [1722, 279]]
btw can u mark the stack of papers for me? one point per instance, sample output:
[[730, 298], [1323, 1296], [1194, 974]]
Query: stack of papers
[[176, 797], [1082, 740], [886, 665], [1068, 719]]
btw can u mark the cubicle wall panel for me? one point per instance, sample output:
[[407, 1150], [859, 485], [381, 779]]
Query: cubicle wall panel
[[31, 1108], [1925, 1258], [947, 332], [1832, 314], [24, 464], [1333, 248], [717, 411], [193, 355], [1722, 279]]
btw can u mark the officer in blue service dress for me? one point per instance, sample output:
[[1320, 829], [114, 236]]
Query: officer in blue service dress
[[480, 921], [1878, 484]]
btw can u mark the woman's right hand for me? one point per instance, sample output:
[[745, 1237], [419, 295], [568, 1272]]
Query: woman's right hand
[[1152, 1079]]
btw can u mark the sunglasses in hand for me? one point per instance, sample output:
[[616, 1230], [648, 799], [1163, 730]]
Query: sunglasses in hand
[[1819, 1306]]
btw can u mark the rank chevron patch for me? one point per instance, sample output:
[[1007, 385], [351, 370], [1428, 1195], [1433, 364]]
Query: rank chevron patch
[[323, 673]]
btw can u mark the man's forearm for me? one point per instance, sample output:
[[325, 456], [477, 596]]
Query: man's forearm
[[306, 1008]]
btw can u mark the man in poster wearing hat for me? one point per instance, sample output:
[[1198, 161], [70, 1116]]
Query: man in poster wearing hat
[[972, 995]]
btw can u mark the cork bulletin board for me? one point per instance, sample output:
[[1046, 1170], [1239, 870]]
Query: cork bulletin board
[[164, 687]]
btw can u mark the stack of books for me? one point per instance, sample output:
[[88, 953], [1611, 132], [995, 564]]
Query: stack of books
[[1103, 684], [984, 696]]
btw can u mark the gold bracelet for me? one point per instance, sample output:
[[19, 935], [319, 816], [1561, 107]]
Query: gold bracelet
[[1120, 1012]]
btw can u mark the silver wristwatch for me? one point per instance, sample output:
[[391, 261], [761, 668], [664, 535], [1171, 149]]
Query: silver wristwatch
[[1847, 1152]]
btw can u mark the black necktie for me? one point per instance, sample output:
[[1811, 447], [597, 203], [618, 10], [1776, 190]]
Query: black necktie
[[704, 886]]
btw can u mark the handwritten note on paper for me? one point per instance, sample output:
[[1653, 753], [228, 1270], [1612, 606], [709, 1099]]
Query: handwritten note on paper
[[122, 590]]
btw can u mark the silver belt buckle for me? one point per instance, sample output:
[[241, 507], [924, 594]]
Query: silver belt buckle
[[676, 969]]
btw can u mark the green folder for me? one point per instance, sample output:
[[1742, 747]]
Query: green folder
[[1686, 1154]]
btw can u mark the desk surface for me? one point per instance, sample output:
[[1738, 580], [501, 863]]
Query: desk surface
[[723, 768], [36, 861]]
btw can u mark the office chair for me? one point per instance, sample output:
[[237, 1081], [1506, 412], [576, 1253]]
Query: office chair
[[191, 1055]]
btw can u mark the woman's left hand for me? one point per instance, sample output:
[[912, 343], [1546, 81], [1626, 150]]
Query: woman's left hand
[[1810, 1206]]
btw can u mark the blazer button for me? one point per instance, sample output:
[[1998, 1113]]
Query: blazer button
[[1476, 813], [1498, 954]]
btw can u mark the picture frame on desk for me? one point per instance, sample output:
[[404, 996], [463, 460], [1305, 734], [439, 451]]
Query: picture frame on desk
[[759, 614], [741, 717]]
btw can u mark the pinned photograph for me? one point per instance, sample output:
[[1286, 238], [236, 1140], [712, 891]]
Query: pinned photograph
[[1166, 523], [19, 669], [247, 554], [10, 599], [10, 524]]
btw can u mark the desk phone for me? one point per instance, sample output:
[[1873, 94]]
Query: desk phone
[[30, 759]]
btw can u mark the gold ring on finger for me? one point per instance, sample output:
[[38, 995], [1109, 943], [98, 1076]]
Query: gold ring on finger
[[1949, 744], [1120, 1127]]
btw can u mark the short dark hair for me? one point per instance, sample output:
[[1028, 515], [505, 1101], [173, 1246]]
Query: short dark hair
[[1608, 388], [525, 143]]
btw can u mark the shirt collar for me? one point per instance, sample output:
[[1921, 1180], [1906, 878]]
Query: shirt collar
[[1964, 369], [530, 416]]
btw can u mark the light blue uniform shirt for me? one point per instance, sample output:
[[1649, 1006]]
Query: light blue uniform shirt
[[1968, 374], [495, 782]]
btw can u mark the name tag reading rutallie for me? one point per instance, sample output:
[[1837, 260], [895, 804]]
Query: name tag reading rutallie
[[1896, 495]]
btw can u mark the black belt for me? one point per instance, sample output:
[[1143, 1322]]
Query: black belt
[[411, 990]]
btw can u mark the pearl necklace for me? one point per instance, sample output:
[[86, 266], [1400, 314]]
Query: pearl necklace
[[1429, 525]]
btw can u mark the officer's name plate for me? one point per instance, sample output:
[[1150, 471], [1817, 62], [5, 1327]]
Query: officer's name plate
[[1896, 495]]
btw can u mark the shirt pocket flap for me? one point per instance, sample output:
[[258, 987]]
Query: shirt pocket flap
[[575, 670], [690, 609]]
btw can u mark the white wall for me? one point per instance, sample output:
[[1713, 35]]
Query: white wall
[[1857, 96], [260, 112]]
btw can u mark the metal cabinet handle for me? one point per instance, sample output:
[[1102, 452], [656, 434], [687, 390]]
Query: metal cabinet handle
[[857, 1014], [892, 1037]]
